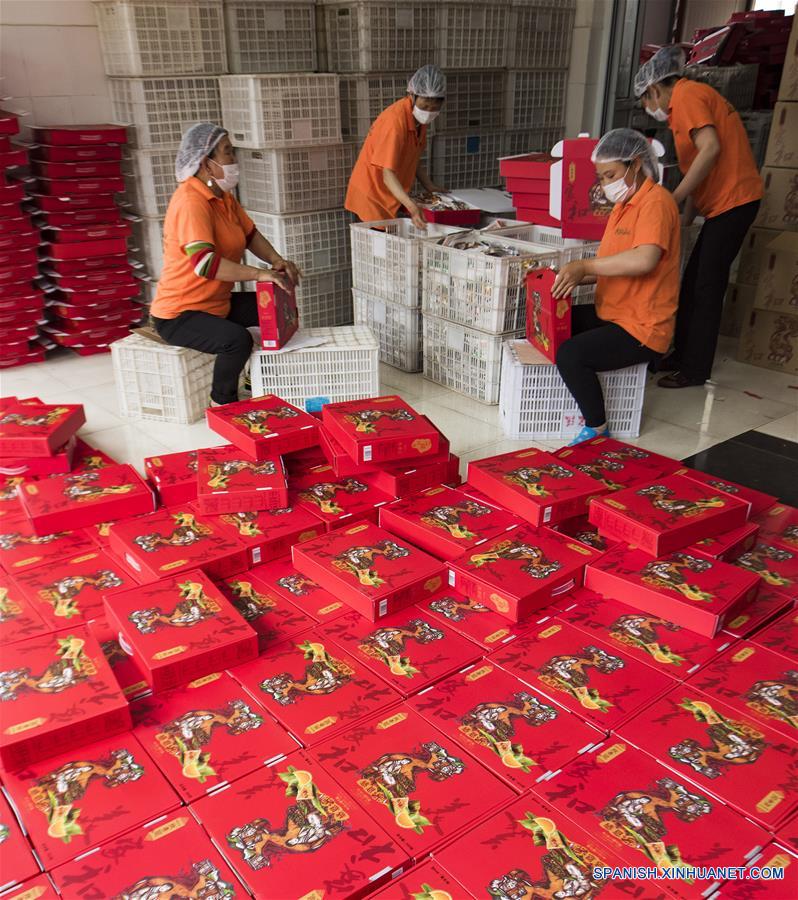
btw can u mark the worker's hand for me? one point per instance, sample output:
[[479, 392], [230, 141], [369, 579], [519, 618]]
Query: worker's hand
[[275, 277], [286, 267], [569, 277], [417, 216]]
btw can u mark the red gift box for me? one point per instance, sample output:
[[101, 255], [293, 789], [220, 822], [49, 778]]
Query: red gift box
[[781, 636], [86, 234], [381, 429], [769, 604], [78, 169], [58, 693], [39, 430], [180, 629], [522, 571], [534, 484], [415, 782], [341, 462], [463, 217], [635, 460], [428, 881], [69, 154], [775, 565], [19, 618], [787, 835], [84, 797], [79, 135], [274, 618], [100, 247], [47, 203], [16, 280], [128, 673], [668, 515], [527, 165], [19, 241], [208, 734], [84, 271], [696, 592], [282, 579], [17, 863], [548, 320], [729, 545], [614, 474], [11, 193], [35, 356], [17, 225], [171, 852], [264, 427], [514, 732], [779, 525], [81, 219], [580, 529], [757, 501], [599, 682], [729, 756], [408, 649], [774, 856], [228, 481], [37, 466], [299, 462], [277, 315], [471, 618], [335, 849], [652, 639], [401, 480], [40, 887], [369, 569], [580, 201], [77, 187], [176, 539], [88, 458], [314, 687], [337, 501], [85, 498]]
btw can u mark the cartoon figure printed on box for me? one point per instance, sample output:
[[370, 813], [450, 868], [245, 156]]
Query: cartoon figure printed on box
[[71, 668], [62, 595], [781, 348], [530, 477], [598, 470], [448, 518], [249, 602], [731, 743], [456, 609], [390, 642], [592, 538], [391, 779], [492, 724], [56, 793], [310, 823], [790, 536], [221, 473], [364, 421], [537, 565], [661, 498], [298, 585], [186, 736], [360, 561], [187, 532], [82, 487], [323, 494], [255, 419], [776, 699], [194, 607], [672, 573], [14, 539], [9, 608], [247, 522], [640, 630], [539, 336], [756, 561], [9, 489], [203, 880], [46, 419], [571, 674], [323, 675]]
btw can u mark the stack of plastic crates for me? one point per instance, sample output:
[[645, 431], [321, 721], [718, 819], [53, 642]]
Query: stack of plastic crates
[[364, 97], [531, 140], [474, 100], [736, 83], [386, 278], [536, 98], [271, 36], [146, 243], [540, 33], [155, 381], [467, 160], [344, 367], [535, 404], [473, 35]]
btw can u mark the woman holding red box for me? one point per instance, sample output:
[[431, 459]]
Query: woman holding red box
[[636, 273], [205, 234]]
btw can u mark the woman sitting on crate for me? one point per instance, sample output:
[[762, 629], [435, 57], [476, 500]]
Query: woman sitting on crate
[[636, 273], [205, 234], [389, 161]]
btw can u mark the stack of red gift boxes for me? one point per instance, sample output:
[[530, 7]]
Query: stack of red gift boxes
[[90, 285], [325, 667]]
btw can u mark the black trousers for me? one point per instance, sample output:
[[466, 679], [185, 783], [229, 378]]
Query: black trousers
[[704, 284], [596, 346], [227, 338]]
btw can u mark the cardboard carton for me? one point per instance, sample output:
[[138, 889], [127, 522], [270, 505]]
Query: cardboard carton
[[40, 430], [779, 525], [548, 321], [337, 501], [229, 482], [775, 565], [428, 880], [471, 618], [335, 849], [777, 210], [366, 567], [208, 734], [18, 863], [129, 674], [21, 549], [82, 798], [758, 501], [781, 150], [174, 476], [58, 693], [180, 629], [729, 545], [277, 315], [776, 285], [770, 340], [19, 617], [754, 255], [769, 604], [311, 598], [521, 571], [600, 683]]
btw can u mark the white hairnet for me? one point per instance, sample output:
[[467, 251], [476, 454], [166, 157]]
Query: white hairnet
[[197, 143], [625, 144], [665, 62], [428, 81]]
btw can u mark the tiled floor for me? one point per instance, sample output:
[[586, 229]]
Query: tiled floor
[[677, 423]]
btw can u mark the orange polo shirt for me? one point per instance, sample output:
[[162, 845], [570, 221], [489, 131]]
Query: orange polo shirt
[[734, 179], [393, 142], [643, 305], [197, 218]]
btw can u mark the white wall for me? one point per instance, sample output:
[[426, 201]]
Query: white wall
[[588, 71], [50, 62]]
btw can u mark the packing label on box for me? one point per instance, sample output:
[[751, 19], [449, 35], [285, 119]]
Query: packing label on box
[[18, 863], [19, 617], [229, 482], [38, 430], [758, 501], [288, 583], [774, 564], [779, 525], [471, 618], [336, 501], [769, 603], [21, 548], [781, 636], [174, 476]]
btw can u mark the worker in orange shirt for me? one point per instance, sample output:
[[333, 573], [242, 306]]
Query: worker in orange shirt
[[636, 273], [390, 159], [721, 182]]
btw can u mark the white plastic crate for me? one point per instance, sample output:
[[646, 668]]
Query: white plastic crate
[[146, 243], [160, 109], [271, 35], [535, 403], [484, 292], [540, 33], [299, 179], [346, 367], [736, 83], [463, 359], [757, 126], [159, 382], [473, 100], [161, 37], [535, 98], [473, 35], [386, 258], [398, 329], [531, 140], [467, 160], [364, 97], [325, 299], [315, 241], [380, 35], [150, 179], [272, 111]]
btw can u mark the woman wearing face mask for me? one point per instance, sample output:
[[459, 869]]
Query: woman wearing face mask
[[720, 181], [389, 161], [636, 273], [205, 234]]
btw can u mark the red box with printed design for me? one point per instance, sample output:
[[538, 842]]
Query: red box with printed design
[[614, 469], [17, 863], [635, 460], [287, 583], [37, 466], [580, 530], [780, 636], [471, 618], [401, 480], [76, 169], [340, 461], [19, 618], [337, 501], [58, 693], [21, 549], [696, 592], [80, 154], [534, 484], [127, 672], [548, 320], [428, 881], [369, 569], [729, 545], [39, 429], [277, 315], [757, 501], [174, 476], [777, 856], [79, 135], [779, 525], [775, 565], [768, 604], [228, 481], [521, 571], [264, 427], [179, 629]]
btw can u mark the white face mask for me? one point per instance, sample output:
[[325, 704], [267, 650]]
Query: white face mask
[[618, 190], [425, 116], [659, 114], [229, 179]]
